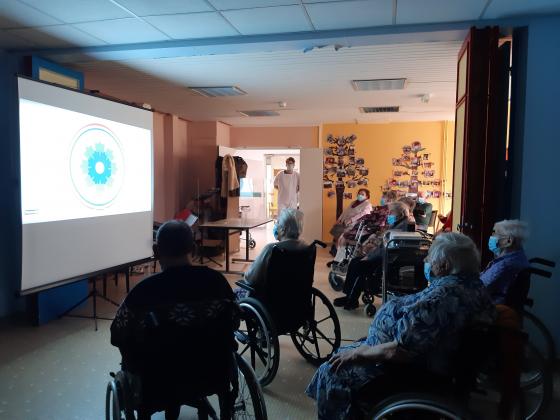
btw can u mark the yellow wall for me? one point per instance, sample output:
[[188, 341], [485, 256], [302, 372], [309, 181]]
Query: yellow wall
[[378, 144]]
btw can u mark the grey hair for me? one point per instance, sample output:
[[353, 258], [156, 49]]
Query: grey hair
[[516, 229], [457, 250], [290, 223], [400, 208]]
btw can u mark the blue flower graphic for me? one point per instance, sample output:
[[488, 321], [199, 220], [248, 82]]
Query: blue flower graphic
[[99, 164]]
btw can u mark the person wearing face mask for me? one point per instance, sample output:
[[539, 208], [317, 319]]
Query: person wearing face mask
[[506, 243], [287, 184], [287, 232], [360, 267], [417, 330], [422, 212], [346, 221]]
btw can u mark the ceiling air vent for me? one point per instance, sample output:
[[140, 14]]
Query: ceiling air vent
[[374, 109], [379, 84], [259, 113], [214, 91]]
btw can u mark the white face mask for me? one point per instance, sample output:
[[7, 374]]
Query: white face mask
[[290, 166], [421, 200]]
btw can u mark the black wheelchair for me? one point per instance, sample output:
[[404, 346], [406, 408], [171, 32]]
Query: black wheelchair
[[184, 354], [492, 352], [402, 271], [287, 303]]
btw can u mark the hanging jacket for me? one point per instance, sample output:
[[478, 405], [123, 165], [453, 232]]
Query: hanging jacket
[[229, 176]]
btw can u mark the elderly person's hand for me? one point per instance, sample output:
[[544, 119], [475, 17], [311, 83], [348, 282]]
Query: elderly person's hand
[[356, 355]]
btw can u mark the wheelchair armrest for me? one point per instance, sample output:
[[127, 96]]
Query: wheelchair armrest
[[320, 243], [542, 261], [244, 285]]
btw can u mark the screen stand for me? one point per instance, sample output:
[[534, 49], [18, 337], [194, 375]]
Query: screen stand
[[94, 294]]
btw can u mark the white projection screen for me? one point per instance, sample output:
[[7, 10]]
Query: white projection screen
[[86, 184]]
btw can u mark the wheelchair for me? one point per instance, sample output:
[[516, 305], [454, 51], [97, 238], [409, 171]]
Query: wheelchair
[[493, 352], [287, 303], [402, 271], [167, 367]]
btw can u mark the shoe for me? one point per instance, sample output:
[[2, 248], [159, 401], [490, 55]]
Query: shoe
[[351, 305], [340, 301]]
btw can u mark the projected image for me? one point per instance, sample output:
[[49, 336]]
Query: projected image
[[75, 165], [97, 166]]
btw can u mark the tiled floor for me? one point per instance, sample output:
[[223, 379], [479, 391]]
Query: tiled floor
[[60, 370]]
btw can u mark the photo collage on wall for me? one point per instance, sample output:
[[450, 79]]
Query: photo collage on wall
[[413, 172]]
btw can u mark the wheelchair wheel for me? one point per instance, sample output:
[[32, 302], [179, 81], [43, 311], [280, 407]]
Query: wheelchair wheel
[[423, 406], [318, 338], [115, 400], [539, 335], [250, 401], [336, 281], [258, 339], [367, 298], [536, 383], [370, 310]]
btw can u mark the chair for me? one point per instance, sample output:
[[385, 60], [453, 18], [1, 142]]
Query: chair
[[414, 393], [184, 353], [287, 303]]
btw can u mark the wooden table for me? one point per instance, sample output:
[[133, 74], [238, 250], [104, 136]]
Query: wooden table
[[238, 225]]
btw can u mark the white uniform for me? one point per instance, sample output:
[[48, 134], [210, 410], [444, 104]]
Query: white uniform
[[288, 187]]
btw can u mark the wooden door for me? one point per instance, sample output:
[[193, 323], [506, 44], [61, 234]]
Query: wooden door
[[480, 137]]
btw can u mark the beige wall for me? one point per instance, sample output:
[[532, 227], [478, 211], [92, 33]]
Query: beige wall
[[159, 168], [265, 137], [222, 134]]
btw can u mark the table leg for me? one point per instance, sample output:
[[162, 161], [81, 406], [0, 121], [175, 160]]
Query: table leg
[[226, 230], [247, 244]]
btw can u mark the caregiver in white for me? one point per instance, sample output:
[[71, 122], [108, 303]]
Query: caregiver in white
[[287, 184]]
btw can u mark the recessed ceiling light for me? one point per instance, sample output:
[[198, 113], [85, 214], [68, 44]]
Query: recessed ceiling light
[[214, 91], [379, 84]]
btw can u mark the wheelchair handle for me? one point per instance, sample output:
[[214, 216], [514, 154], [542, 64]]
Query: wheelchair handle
[[318, 242]]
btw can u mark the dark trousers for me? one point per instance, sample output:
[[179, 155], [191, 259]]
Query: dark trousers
[[358, 270]]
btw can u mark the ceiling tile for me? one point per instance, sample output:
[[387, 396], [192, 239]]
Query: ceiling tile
[[165, 7], [14, 14], [196, 25], [428, 11], [122, 31], [508, 8], [249, 4], [9, 40], [56, 36], [351, 14], [79, 10], [269, 20]]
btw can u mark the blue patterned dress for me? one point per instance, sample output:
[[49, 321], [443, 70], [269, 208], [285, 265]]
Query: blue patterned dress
[[426, 324]]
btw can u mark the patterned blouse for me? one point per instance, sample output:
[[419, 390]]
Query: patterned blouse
[[426, 324]]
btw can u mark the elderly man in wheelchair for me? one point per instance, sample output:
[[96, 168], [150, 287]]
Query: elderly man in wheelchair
[[277, 297], [175, 332], [412, 338]]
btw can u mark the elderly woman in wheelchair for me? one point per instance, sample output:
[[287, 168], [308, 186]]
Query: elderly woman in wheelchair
[[277, 297], [417, 331]]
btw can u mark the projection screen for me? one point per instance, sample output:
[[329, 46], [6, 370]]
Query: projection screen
[[86, 184]]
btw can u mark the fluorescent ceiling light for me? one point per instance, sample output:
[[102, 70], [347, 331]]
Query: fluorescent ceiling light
[[378, 109], [379, 84], [259, 113], [214, 91]]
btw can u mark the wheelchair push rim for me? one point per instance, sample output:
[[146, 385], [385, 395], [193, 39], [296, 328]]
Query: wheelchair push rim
[[258, 339], [249, 403], [410, 406], [319, 337]]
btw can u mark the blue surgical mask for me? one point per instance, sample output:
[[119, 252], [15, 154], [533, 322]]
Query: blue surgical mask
[[361, 197], [382, 201], [493, 244], [421, 200], [428, 271], [391, 219], [275, 231]]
